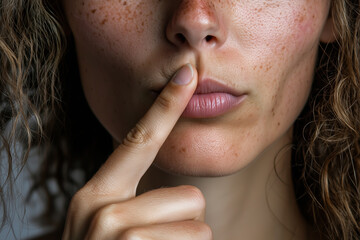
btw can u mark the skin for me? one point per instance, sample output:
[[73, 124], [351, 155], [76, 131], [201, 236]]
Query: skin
[[128, 49]]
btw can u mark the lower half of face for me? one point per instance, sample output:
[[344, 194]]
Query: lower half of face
[[264, 49]]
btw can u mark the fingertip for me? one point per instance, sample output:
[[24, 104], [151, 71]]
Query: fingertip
[[194, 72], [184, 75], [191, 69]]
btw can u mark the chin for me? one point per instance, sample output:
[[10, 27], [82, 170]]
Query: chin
[[181, 164], [215, 150], [201, 153]]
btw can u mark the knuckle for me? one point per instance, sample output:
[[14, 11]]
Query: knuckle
[[132, 234], [206, 232], [195, 195], [139, 135], [77, 201], [199, 229], [106, 217], [165, 101]]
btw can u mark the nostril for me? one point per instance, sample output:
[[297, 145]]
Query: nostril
[[180, 37], [209, 38]]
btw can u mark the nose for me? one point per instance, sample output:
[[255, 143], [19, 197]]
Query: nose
[[195, 24]]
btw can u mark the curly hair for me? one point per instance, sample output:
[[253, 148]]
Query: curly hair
[[31, 49], [39, 79], [327, 134], [42, 105]]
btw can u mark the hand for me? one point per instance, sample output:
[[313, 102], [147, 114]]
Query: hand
[[107, 208]]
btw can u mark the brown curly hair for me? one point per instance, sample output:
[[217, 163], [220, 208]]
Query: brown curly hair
[[39, 77], [31, 48], [327, 136]]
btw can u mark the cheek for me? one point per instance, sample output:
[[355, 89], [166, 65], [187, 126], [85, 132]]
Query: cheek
[[295, 69], [284, 56], [112, 74], [105, 27]]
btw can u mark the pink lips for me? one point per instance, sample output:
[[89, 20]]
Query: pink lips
[[212, 99]]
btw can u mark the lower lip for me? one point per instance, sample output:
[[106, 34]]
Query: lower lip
[[211, 105]]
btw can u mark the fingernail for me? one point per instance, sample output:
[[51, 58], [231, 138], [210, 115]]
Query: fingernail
[[184, 75]]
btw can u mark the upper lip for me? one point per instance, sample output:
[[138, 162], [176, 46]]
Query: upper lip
[[207, 86]]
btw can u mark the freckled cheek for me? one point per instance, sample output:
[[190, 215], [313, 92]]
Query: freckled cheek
[[284, 32], [285, 76], [106, 32], [292, 94], [307, 27], [112, 38]]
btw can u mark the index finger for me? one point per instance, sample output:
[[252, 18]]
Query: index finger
[[123, 170]]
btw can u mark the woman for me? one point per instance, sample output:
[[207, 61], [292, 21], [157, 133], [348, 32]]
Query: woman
[[251, 106]]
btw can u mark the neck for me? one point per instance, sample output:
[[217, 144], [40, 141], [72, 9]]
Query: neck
[[256, 203]]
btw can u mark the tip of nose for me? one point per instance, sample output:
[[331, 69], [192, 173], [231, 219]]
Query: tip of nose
[[195, 24]]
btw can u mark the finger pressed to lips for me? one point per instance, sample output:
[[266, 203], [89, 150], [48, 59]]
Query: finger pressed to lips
[[121, 173], [114, 185]]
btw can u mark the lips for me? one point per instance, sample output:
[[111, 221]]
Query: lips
[[212, 99]]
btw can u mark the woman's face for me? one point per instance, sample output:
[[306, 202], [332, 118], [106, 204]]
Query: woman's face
[[264, 49]]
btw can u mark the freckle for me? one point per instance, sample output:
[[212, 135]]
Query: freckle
[[104, 21], [183, 150], [278, 124], [124, 3], [93, 11], [261, 67]]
